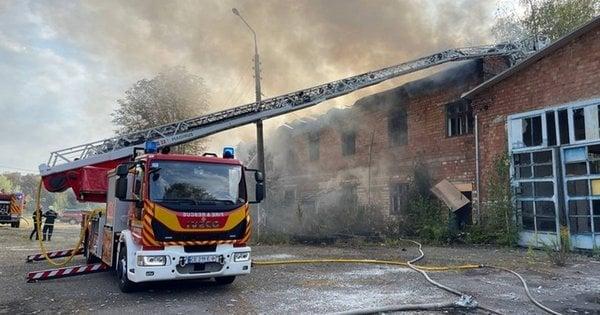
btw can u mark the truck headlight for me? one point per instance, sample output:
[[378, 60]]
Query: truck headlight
[[151, 260], [243, 256]]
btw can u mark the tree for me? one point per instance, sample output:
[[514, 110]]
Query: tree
[[6, 185], [550, 18], [174, 94]]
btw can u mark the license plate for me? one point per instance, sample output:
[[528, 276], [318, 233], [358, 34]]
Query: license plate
[[203, 259]]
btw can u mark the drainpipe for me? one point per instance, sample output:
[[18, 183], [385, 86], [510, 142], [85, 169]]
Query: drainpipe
[[370, 155], [477, 184]]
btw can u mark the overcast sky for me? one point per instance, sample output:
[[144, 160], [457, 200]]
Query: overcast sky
[[63, 64]]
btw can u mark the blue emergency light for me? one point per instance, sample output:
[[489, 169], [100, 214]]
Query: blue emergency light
[[151, 147], [228, 152]]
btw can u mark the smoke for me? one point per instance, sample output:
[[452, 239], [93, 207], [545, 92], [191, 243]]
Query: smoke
[[301, 43], [338, 194]]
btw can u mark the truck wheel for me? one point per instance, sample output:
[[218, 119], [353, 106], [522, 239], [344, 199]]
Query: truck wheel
[[124, 283], [225, 280]]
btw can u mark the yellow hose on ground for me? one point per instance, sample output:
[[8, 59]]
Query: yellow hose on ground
[[361, 261], [38, 226]]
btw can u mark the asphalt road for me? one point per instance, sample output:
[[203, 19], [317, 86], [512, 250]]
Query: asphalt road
[[317, 288]]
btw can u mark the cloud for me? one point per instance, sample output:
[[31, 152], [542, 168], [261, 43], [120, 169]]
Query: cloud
[[65, 63]]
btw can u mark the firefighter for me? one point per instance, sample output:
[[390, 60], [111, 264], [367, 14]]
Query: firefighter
[[35, 231], [50, 216]]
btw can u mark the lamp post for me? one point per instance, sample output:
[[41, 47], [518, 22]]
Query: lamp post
[[260, 148]]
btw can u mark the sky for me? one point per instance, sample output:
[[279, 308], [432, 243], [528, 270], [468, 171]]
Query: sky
[[63, 64]]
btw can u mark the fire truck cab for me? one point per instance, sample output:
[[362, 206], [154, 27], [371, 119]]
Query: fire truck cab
[[171, 216], [11, 208]]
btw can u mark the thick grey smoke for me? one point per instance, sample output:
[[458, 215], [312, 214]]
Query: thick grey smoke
[[302, 43]]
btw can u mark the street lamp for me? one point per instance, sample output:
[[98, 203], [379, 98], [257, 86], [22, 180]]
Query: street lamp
[[260, 148]]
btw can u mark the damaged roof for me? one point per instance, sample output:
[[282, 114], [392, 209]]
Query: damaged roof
[[563, 41]]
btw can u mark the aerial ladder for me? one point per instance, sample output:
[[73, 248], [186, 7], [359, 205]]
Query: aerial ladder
[[63, 169], [84, 167]]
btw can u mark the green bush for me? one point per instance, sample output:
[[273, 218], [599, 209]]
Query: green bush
[[559, 252], [425, 217], [497, 224]]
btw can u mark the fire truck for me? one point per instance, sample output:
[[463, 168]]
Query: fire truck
[[172, 216], [11, 208]]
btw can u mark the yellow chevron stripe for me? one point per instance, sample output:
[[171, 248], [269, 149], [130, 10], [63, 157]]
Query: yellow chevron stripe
[[169, 219]]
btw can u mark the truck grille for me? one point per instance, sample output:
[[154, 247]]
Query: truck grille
[[4, 209], [162, 233]]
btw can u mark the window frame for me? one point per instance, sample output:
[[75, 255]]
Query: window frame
[[466, 115], [345, 145], [398, 136], [402, 188], [314, 139]]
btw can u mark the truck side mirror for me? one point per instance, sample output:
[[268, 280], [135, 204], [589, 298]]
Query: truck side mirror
[[259, 177], [122, 170], [259, 192], [121, 188]]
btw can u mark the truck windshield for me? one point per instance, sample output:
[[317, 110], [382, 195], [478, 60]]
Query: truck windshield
[[196, 182]]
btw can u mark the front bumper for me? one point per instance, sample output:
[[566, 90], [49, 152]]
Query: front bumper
[[174, 270], [9, 218]]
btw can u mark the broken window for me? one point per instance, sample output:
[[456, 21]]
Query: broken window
[[313, 146], [398, 198], [563, 126], [289, 197], [579, 216], [533, 165], [579, 124], [348, 143], [535, 190], [582, 161], [459, 118], [551, 128], [349, 196], [397, 128], [583, 191], [532, 131]]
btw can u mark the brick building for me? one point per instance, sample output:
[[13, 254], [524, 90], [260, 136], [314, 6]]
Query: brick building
[[544, 113], [366, 153]]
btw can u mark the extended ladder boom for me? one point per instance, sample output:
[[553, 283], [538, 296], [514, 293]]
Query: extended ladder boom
[[194, 128]]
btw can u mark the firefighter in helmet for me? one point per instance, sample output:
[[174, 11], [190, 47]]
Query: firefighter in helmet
[[50, 216]]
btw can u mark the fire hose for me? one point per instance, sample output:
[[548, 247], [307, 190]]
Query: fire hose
[[465, 301], [38, 227]]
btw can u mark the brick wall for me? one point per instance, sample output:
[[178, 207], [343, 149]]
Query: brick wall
[[568, 74], [424, 102]]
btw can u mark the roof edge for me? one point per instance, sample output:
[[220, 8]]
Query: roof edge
[[561, 42]]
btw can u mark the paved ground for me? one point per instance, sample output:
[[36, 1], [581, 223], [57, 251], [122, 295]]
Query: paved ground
[[305, 288]]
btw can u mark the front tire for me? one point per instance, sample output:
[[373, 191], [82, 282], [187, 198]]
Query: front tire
[[225, 280], [125, 284]]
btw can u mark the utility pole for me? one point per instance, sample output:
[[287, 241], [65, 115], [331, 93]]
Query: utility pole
[[260, 146]]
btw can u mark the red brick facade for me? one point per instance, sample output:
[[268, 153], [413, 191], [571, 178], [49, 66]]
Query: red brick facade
[[568, 74], [377, 163]]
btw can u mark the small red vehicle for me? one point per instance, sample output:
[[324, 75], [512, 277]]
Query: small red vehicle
[[72, 216]]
